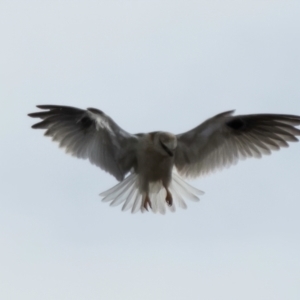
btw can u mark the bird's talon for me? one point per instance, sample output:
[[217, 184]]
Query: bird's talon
[[147, 202], [169, 198]]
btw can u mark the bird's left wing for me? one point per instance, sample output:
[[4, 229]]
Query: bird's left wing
[[224, 139], [89, 134]]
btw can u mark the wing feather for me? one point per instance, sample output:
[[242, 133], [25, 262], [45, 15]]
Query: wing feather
[[89, 134], [224, 139]]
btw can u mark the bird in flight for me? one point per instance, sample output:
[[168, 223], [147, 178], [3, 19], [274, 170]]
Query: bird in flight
[[150, 166]]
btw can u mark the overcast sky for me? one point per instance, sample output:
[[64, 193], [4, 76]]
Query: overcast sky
[[150, 65]]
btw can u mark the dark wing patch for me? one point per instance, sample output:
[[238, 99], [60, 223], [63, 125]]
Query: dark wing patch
[[237, 124]]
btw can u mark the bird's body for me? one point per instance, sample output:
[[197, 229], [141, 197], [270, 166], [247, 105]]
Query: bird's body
[[154, 165], [155, 160], [147, 153]]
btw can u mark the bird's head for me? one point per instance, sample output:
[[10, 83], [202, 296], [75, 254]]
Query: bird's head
[[165, 143]]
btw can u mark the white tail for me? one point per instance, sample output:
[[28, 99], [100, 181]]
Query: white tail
[[129, 194]]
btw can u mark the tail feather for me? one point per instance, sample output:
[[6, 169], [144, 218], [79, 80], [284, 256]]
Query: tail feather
[[189, 191], [129, 202], [118, 196], [179, 200], [137, 204], [118, 189], [158, 201], [129, 194]]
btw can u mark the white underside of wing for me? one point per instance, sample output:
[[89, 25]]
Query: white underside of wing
[[128, 194]]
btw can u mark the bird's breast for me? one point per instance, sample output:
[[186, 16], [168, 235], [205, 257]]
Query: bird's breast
[[154, 166]]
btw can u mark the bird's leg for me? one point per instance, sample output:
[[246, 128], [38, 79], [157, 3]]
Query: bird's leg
[[147, 202], [169, 198]]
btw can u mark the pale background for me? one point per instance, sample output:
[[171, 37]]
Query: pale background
[[150, 65]]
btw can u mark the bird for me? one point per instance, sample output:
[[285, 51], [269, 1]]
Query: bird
[[151, 167]]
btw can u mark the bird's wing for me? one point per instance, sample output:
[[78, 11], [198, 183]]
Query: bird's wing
[[89, 134], [224, 139]]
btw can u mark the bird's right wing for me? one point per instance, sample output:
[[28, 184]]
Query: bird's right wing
[[89, 134], [224, 139]]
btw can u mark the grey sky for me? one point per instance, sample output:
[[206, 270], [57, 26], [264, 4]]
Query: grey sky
[[150, 65]]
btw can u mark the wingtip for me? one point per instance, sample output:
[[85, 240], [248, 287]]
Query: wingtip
[[45, 106], [95, 110], [33, 115], [34, 126], [37, 114], [226, 113]]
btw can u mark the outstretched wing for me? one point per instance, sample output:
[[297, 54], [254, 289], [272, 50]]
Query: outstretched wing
[[89, 134], [224, 139]]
